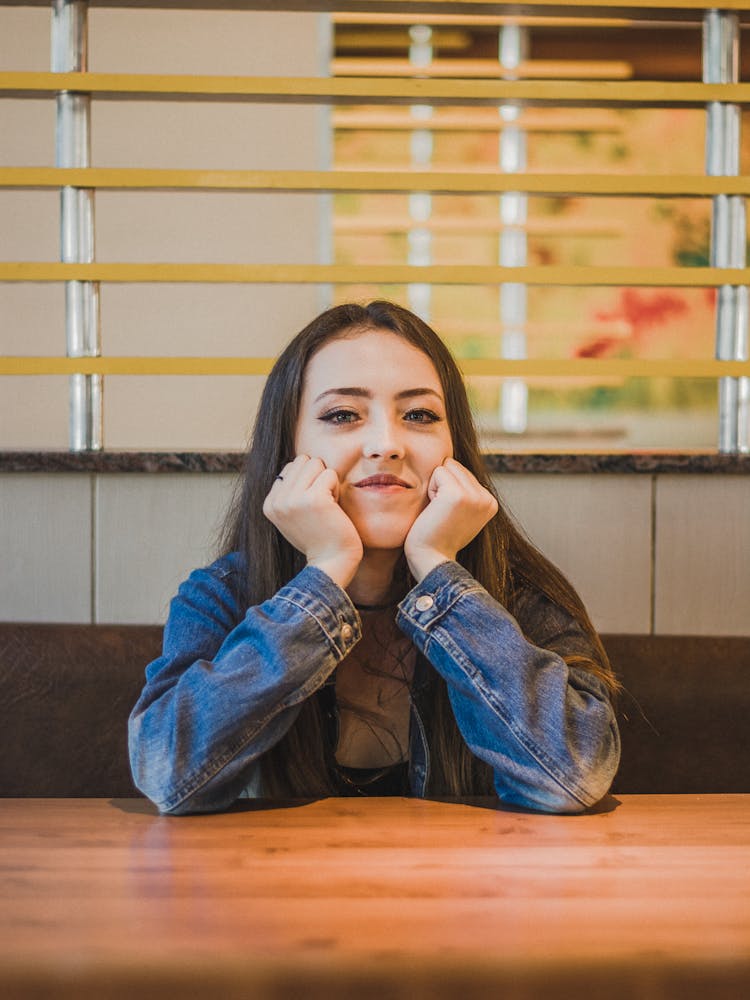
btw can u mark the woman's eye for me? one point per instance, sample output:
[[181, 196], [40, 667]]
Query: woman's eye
[[339, 417], [421, 416]]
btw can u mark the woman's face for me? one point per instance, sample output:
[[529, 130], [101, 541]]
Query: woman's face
[[372, 408]]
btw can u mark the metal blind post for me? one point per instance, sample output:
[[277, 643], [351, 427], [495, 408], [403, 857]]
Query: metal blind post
[[721, 34], [512, 249], [420, 202], [72, 149]]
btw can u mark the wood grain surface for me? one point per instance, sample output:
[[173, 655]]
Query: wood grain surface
[[647, 896]]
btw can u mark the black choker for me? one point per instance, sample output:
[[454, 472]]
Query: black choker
[[375, 607]]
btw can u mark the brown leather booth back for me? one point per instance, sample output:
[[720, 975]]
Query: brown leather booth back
[[684, 713], [67, 691]]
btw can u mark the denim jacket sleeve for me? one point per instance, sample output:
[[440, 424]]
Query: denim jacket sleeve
[[547, 729], [229, 684]]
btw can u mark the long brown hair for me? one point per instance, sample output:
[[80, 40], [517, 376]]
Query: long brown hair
[[500, 557]]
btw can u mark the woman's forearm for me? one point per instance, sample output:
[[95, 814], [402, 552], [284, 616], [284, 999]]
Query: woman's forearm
[[224, 692], [547, 730]]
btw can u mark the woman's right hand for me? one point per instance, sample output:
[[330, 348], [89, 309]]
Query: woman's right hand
[[303, 505]]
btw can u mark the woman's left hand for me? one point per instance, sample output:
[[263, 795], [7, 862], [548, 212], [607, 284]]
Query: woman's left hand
[[458, 508]]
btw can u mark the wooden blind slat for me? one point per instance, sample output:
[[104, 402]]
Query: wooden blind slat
[[675, 9], [377, 274], [374, 90], [374, 180], [529, 368]]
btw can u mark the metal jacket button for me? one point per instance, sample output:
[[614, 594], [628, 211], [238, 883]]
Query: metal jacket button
[[424, 603], [346, 632]]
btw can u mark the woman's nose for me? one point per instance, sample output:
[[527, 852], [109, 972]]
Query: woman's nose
[[383, 441]]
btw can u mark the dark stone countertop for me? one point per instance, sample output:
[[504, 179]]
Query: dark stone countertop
[[650, 463]]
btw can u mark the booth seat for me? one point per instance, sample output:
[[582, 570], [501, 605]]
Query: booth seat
[[67, 691]]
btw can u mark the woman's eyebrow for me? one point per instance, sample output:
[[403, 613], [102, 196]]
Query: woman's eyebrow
[[350, 390], [421, 391], [353, 390]]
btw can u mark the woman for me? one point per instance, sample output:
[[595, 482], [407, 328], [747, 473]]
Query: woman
[[377, 625]]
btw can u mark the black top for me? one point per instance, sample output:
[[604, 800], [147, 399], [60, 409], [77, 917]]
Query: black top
[[392, 780]]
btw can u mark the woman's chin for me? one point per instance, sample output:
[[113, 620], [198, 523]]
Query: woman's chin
[[383, 534], [390, 545]]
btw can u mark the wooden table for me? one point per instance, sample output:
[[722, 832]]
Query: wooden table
[[647, 897]]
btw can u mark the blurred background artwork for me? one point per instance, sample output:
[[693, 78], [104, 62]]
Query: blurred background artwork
[[548, 322]]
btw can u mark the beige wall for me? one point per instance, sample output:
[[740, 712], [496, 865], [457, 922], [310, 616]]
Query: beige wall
[[667, 553], [221, 227]]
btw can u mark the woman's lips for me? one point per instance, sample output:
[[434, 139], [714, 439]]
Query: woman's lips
[[383, 482]]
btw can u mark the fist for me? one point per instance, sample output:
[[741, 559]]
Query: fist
[[303, 505], [458, 508]]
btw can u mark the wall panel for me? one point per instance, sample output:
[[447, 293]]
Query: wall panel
[[598, 531], [45, 548], [151, 531], [702, 582]]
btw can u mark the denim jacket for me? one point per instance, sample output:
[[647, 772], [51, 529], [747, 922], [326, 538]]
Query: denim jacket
[[230, 683]]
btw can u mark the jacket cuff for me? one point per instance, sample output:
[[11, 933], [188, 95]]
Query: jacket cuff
[[434, 596], [315, 592]]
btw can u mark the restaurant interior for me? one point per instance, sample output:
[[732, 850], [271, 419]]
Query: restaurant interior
[[559, 190]]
